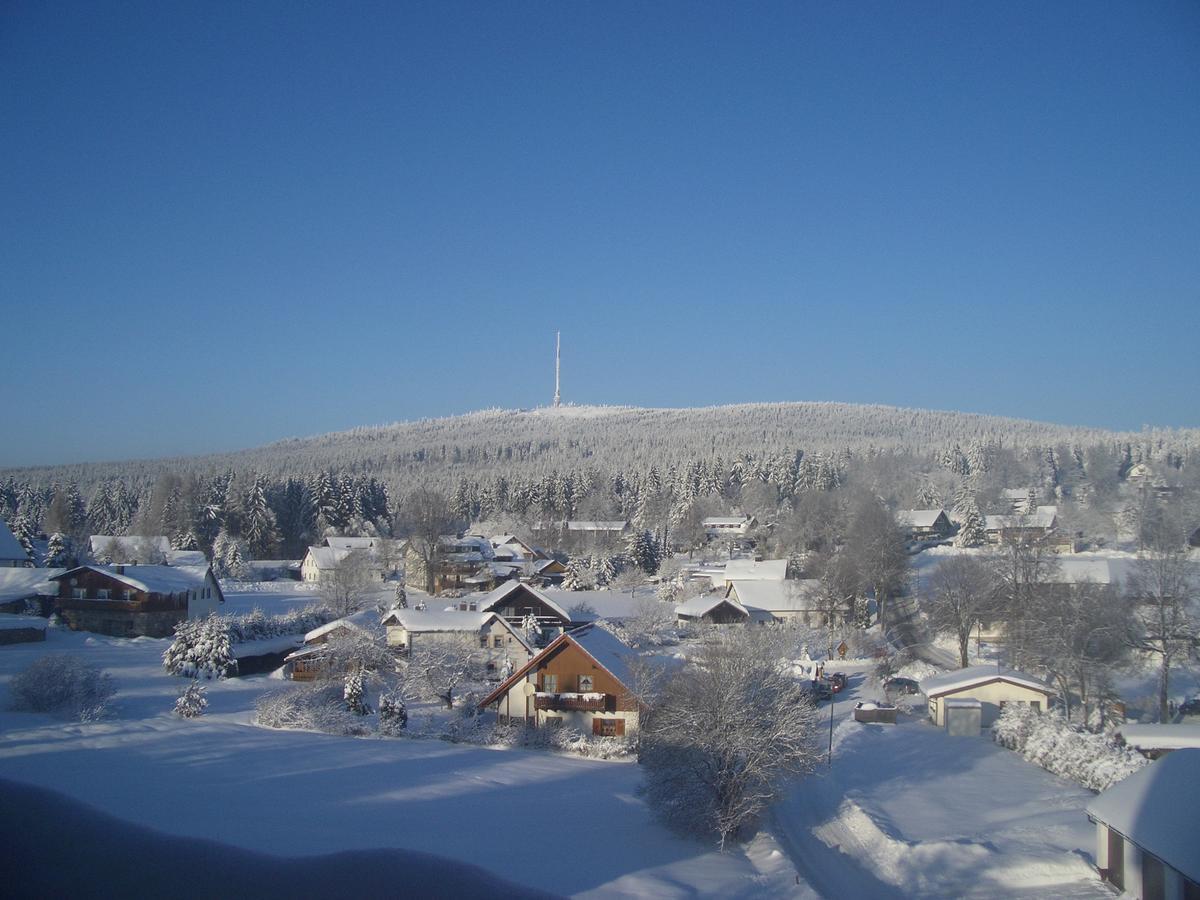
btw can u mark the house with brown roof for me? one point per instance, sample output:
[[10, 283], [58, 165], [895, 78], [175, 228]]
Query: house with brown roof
[[129, 601], [581, 680]]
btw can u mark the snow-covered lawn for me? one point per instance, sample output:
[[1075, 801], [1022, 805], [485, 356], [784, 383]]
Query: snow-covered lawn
[[565, 825], [907, 811]]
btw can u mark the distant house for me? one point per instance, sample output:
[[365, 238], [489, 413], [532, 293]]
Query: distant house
[[1019, 529], [516, 601], [127, 601], [312, 661], [318, 562], [601, 527], [522, 549], [717, 527], [712, 609], [992, 685], [581, 680], [456, 562], [924, 524], [1153, 741], [501, 646], [272, 569], [185, 558], [130, 549], [548, 572], [1146, 836], [784, 601], [750, 570], [1017, 499], [12, 554]]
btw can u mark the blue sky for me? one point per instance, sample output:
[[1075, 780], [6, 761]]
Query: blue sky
[[225, 223]]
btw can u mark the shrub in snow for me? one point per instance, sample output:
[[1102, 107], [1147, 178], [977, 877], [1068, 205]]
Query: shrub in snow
[[201, 649], [1092, 760], [192, 701], [562, 740], [311, 708], [63, 684], [353, 688], [393, 712]]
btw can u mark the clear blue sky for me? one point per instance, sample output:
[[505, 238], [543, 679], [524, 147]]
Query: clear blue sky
[[224, 223]]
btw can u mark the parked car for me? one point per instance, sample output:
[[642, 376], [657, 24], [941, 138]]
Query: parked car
[[1189, 709], [901, 687], [837, 681]]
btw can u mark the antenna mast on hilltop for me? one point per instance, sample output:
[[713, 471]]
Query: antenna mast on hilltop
[[557, 345]]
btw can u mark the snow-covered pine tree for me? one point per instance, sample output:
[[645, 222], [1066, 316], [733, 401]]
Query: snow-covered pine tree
[[606, 571], [353, 690], [971, 533], [58, 551], [401, 597], [393, 712], [191, 702], [532, 630]]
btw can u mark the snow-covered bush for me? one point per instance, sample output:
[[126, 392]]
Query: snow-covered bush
[[393, 712], [1092, 760], [201, 649], [561, 740], [191, 702], [63, 684], [311, 708]]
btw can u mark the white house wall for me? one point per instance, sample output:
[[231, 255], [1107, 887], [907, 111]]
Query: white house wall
[[991, 695]]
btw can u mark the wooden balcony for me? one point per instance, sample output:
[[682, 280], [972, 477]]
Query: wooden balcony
[[155, 604], [571, 702]]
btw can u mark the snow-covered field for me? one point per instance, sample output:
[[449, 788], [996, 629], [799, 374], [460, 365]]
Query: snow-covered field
[[564, 825]]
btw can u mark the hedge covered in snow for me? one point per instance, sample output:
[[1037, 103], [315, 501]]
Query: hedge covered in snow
[[1092, 760], [203, 648], [65, 685]]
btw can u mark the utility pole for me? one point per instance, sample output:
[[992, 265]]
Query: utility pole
[[557, 347]]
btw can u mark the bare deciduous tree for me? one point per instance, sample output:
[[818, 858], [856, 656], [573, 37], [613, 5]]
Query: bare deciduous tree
[[426, 517], [442, 666], [725, 732], [961, 596], [345, 588]]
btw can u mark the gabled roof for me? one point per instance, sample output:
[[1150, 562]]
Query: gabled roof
[[597, 525], [919, 518], [757, 570], [152, 579], [10, 547], [937, 685], [335, 625], [1045, 517], [22, 583], [604, 648], [494, 598], [326, 557], [777, 596], [350, 543], [698, 607], [1156, 809]]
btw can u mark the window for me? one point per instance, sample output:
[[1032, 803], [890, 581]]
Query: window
[[550, 683], [586, 684], [608, 727], [553, 721], [126, 595], [483, 642], [103, 594], [78, 593], [497, 641]]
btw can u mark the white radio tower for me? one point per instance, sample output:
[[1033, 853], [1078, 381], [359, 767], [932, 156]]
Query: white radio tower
[[557, 344]]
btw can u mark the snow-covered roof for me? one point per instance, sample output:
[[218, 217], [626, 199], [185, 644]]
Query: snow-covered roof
[[698, 607], [936, 685], [918, 518], [725, 521], [10, 622], [493, 598], [1160, 737], [1045, 517], [326, 557], [325, 629], [607, 649], [350, 543], [186, 558], [1015, 493], [755, 570], [153, 579], [598, 525], [10, 547], [1097, 570], [777, 596], [21, 583], [1155, 808], [607, 604], [129, 543], [426, 620]]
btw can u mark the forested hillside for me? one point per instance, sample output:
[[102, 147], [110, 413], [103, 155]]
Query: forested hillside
[[656, 466]]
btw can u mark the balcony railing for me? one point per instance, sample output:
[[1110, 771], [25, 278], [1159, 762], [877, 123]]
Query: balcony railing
[[571, 702], [158, 604]]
